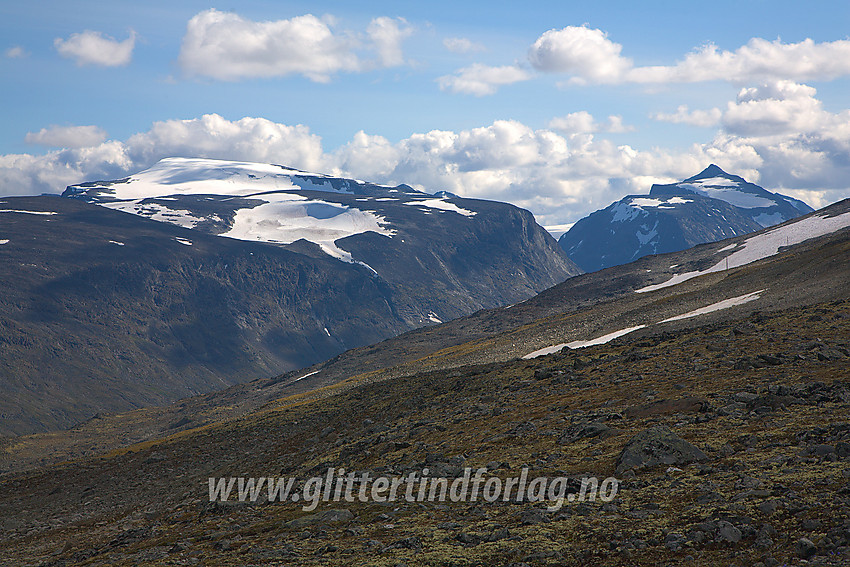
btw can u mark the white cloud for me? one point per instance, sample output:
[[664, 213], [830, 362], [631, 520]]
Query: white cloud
[[386, 35], [558, 176], [462, 45], [781, 132], [16, 52], [228, 47], [480, 80], [590, 57], [758, 60], [585, 53], [94, 48], [67, 136], [782, 107], [703, 118], [252, 139], [583, 122], [211, 136]]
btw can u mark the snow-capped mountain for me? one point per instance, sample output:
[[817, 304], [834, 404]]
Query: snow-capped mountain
[[766, 208], [707, 207], [228, 271], [438, 246], [258, 202]]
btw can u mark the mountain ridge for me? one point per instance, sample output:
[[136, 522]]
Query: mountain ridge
[[118, 310], [709, 206], [585, 308]]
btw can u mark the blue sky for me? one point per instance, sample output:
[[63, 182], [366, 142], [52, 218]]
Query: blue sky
[[559, 107]]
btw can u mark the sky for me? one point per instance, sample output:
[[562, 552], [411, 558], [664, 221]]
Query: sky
[[557, 107]]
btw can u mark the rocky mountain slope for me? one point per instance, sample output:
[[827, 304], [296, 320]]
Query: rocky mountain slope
[[727, 430], [104, 311], [710, 206], [802, 262]]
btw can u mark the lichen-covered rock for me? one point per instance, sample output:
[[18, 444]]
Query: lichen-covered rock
[[657, 446]]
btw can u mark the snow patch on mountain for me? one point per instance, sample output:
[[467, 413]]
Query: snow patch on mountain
[[48, 213], [582, 344], [294, 217], [269, 203], [765, 244], [725, 304], [156, 211], [197, 176], [442, 205], [641, 202], [728, 191]]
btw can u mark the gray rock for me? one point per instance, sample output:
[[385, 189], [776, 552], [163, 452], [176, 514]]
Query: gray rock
[[531, 517], [745, 397], [583, 431], [657, 446], [822, 450], [768, 507], [805, 548], [411, 542], [674, 541], [728, 532]]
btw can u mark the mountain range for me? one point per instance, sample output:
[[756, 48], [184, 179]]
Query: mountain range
[[712, 382], [707, 207], [227, 271]]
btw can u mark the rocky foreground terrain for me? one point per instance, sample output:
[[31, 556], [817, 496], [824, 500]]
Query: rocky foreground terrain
[[731, 441]]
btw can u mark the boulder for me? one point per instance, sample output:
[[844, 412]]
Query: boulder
[[657, 446]]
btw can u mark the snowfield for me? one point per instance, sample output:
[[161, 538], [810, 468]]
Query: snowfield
[[442, 205], [764, 245], [278, 211], [727, 190], [196, 176], [28, 212], [725, 304], [581, 344], [295, 217]]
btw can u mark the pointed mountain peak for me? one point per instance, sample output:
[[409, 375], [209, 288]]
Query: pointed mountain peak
[[712, 171]]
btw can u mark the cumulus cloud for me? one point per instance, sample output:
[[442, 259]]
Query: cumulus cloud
[[387, 35], [587, 56], [16, 52], [94, 48], [67, 136], [211, 136], [782, 107], [559, 175], [781, 130], [585, 53], [462, 45], [480, 80], [228, 47], [703, 118], [758, 60], [583, 122], [250, 139]]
